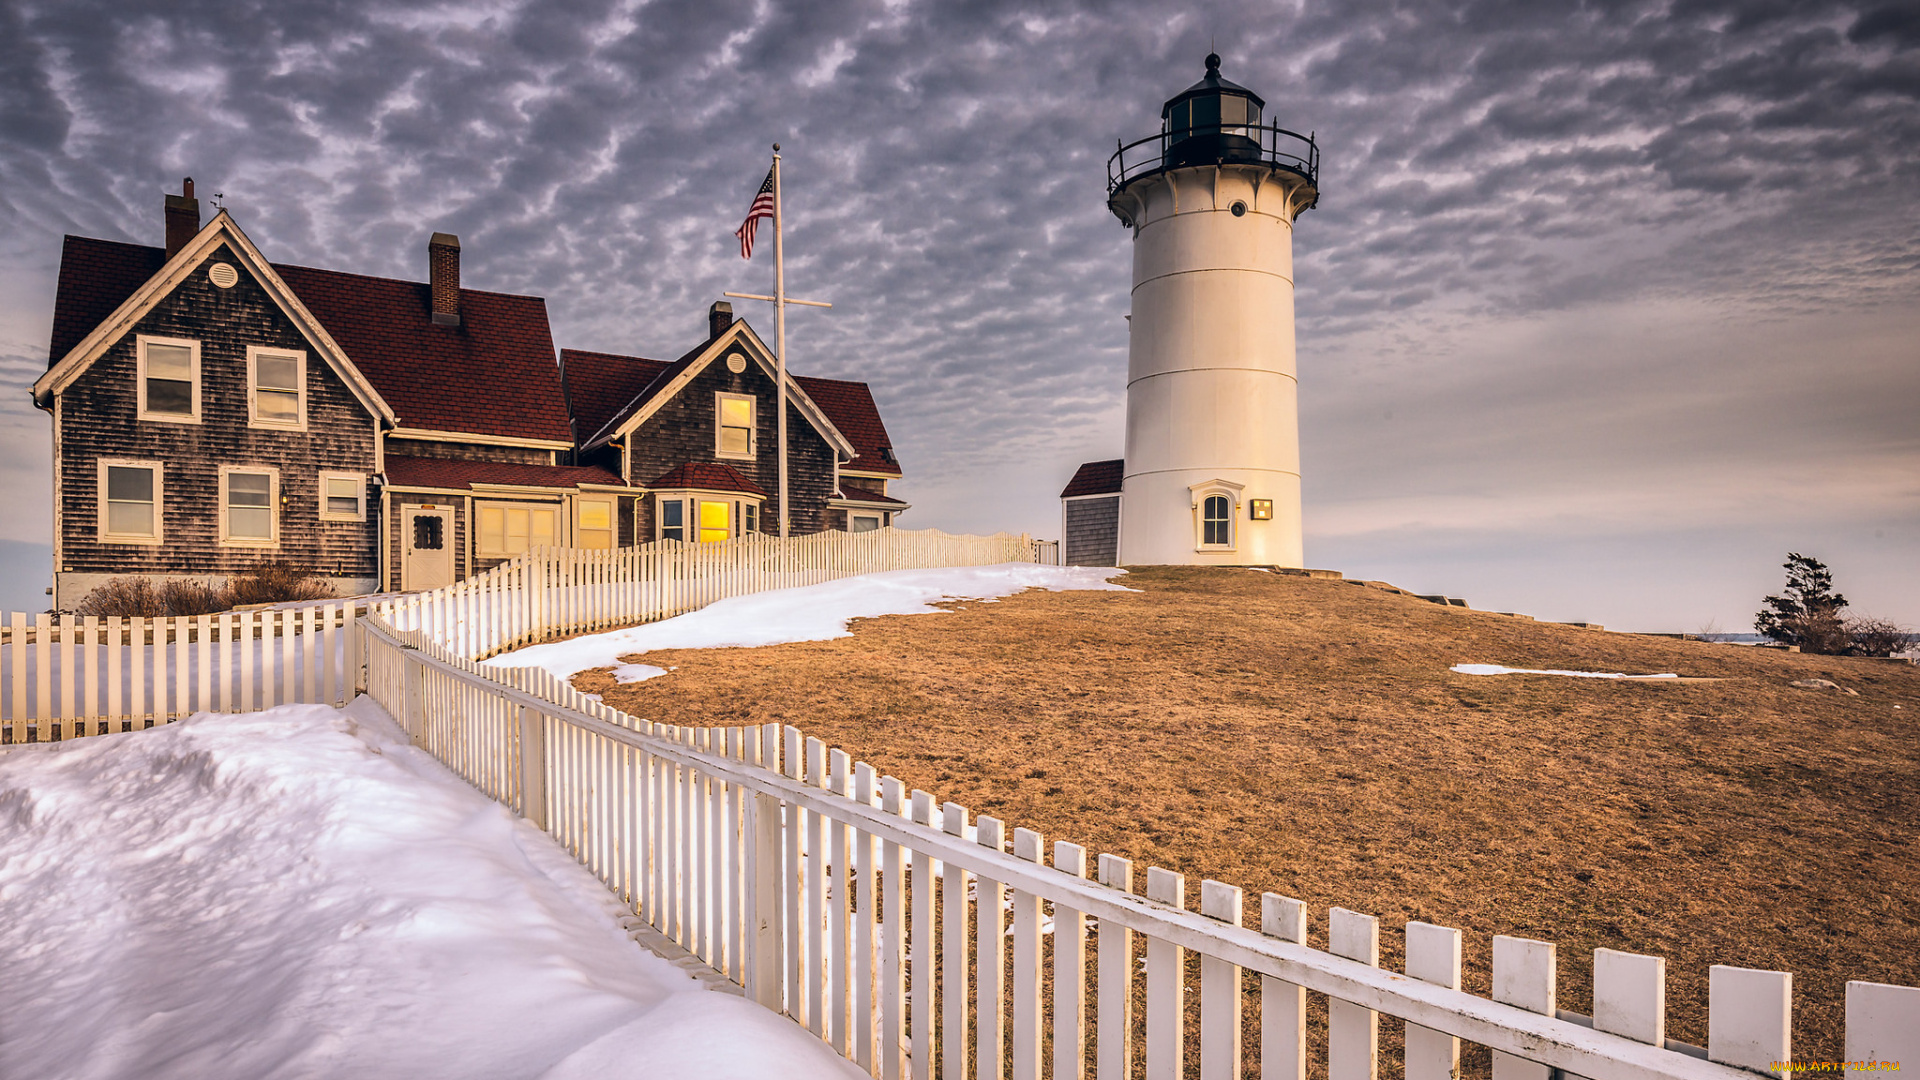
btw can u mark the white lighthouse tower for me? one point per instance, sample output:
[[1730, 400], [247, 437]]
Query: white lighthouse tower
[[1212, 467]]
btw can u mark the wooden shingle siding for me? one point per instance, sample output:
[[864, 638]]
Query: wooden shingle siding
[[683, 430], [98, 421], [1093, 531], [460, 451]]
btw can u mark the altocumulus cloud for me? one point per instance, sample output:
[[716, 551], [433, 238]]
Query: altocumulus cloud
[[1590, 287]]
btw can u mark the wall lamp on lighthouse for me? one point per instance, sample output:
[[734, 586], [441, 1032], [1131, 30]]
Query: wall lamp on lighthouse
[[1261, 509]]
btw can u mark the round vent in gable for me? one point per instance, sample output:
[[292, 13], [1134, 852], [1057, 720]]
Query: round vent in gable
[[223, 275], [736, 363]]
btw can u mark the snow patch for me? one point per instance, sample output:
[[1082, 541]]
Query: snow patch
[[807, 613], [1496, 669], [627, 673], [300, 893]]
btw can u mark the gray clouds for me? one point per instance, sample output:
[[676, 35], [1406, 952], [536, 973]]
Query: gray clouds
[[1507, 186]]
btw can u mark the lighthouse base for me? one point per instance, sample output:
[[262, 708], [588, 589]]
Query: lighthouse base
[[1211, 517]]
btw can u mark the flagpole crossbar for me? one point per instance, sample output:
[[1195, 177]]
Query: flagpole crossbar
[[776, 300]]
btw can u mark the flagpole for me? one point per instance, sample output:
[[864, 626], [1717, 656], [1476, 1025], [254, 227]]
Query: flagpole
[[780, 338]]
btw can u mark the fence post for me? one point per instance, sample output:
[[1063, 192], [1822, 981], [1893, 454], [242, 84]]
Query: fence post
[[766, 947], [412, 718], [533, 767]]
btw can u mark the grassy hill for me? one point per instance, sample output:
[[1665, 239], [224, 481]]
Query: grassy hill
[[1305, 737]]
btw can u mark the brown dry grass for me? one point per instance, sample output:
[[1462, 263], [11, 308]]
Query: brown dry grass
[[1305, 737]]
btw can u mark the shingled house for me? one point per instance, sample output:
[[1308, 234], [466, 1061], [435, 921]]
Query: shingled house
[[212, 411]]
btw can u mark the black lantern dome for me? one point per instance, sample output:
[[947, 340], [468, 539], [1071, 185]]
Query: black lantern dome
[[1214, 120]]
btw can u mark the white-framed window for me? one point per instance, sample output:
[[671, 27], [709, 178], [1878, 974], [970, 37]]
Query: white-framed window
[[715, 520], [863, 523], [706, 519], [1216, 521], [168, 373], [249, 506], [132, 501], [593, 523], [673, 519], [343, 496], [511, 528], [1216, 510], [276, 388], [733, 426]]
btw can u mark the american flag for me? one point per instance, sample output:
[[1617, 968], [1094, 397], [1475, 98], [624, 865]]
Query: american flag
[[762, 208]]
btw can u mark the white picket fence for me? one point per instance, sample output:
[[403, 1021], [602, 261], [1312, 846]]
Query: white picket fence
[[906, 934], [63, 676], [553, 591]]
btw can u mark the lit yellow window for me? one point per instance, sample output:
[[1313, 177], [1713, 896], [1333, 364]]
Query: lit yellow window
[[716, 521], [736, 426], [510, 530], [493, 529], [596, 524]]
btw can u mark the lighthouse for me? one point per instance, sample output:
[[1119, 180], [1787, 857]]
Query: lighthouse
[[1211, 474]]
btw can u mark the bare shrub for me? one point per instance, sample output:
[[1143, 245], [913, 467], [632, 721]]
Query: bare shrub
[[1869, 636], [185, 596], [130, 597], [278, 583], [139, 597]]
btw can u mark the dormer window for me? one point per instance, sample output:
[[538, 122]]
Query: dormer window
[[169, 378], [733, 437]]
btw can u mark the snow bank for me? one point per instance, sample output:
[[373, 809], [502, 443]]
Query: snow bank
[[300, 893], [808, 613], [1496, 669]]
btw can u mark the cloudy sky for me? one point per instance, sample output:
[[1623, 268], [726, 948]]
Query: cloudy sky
[[1605, 308]]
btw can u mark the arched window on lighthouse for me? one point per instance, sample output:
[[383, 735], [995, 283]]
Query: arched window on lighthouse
[[1216, 522]]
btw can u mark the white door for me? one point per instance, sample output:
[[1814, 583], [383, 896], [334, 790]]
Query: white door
[[426, 539]]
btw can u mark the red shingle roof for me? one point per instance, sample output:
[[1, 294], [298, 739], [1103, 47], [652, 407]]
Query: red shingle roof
[[441, 473], [492, 375], [601, 385], [1097, 478], [849, 406], [862, 495], [706, 476], [643, 391], [614, 387], [96, 276]]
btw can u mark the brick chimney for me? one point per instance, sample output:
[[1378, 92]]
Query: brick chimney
[[183, 218], [719, 317], [443, 270]]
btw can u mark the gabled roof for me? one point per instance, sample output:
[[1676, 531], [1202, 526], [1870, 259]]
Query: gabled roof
[[706, 476], [413, 472], [492, 375], [850, 406], [675, 376], [99, 314], [600, 385], [1097, 478], [596, 381]]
